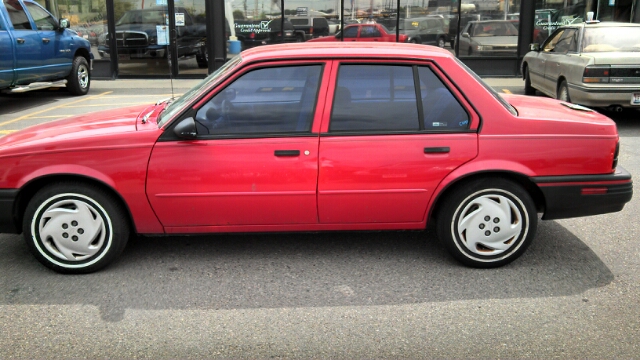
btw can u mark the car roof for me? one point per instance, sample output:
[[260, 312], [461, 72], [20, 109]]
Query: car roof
[[604, 24], [343, 50]]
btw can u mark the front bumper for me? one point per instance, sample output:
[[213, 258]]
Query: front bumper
[[602, 96], [7, 220], [585, 195]]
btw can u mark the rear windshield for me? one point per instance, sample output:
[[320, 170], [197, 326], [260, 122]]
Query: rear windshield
[[611, 39]]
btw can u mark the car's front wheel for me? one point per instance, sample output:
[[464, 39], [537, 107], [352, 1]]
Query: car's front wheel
[[74, 227], [488, 222], [79, 79], [441, 42]]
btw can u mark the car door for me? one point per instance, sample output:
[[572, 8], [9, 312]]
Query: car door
[[428, 31], [351, 33], [56, 47], [254, 161], [6, 55], [385, 148], [28, 44], [536, 64], [556, 56]]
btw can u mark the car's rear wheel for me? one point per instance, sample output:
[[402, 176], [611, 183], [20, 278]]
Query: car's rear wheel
[[528, 89], [79, 79], [563, 92], [487, 223], [414, 41], [441, 42], [75, 228]]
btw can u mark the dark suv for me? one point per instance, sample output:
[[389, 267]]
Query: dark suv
[[310, 27]]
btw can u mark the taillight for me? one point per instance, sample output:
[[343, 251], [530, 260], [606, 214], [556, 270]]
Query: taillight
[[615, 156], [311, 31], [252, 36], [596, 74]]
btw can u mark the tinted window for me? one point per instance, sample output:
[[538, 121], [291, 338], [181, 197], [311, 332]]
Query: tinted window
[[351, 32], [374, 98], [269, 100], [17, 15], [552, 41], [442, 111], [44, 20], [566, 42], [369, 31]]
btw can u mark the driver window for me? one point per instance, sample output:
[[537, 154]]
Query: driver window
[[552, 41], [351, 32], [273, 100], [44, 21]]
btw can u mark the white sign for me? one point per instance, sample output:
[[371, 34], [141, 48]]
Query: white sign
[[163, 34], [179, 19], [161, 2]]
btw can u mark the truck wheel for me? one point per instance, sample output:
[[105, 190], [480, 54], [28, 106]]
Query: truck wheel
[[75, 228], [441, 42], [79, 80], [487, 223]]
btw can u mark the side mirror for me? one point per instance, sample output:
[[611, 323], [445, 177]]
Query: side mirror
[[534, 47], [466, 35], [186, 129], [63, 23]]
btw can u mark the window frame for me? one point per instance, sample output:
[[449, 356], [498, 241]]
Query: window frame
[[319, 99], [473, 125]]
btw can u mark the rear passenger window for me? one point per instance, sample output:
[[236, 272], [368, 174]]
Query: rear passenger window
[[383, 98], [274, 100], [17, 15], [375, 98], [441, 109]]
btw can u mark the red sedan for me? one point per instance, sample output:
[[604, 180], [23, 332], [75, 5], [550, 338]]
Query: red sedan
[[364, 32], [305, 137]]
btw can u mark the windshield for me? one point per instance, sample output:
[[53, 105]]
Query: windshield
[[176, 106], [157, 17], [494, 28], [611, 39]]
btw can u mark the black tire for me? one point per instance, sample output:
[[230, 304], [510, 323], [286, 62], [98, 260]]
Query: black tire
[[299, 38], [563, 92], [487, 223], [75, 228], [441, 42], [79, 80], [413, 41], [528, 89]]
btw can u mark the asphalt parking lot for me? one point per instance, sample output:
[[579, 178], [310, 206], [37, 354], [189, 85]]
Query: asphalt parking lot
[[573, 294]]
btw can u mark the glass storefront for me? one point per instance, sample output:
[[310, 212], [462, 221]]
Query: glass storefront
[[162, 38]]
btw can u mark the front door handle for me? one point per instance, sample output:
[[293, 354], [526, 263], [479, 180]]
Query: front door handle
[[45, 40], [437, 150], [20, 40], [287, 153]]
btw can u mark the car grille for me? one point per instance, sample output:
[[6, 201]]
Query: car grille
[[624, 74], [131, 38]]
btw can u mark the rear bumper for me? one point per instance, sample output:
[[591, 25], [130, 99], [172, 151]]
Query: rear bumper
[[603, 96], [7, 220], [585, 195]]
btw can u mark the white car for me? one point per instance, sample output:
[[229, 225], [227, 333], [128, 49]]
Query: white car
[[593, 64]]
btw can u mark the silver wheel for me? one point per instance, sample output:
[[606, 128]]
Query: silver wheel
[[441, 42], [488, 222], [563, 92], [83, 76], [75, 227]]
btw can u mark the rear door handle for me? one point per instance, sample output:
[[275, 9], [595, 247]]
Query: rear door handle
[[20, 40], [437, 150], [287, 153], [45, 40]]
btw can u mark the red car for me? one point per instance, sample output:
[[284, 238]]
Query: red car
[[312, 137], [364, 32]]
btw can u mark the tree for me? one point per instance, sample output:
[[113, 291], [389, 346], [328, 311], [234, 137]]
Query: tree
[[238, 15]]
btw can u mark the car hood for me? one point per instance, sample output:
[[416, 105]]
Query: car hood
[[542, 113], [107, 128], [496, 40], [614, 58]]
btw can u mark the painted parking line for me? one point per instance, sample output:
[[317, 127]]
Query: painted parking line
[[5, 132], [111, 105], [506, 91], [28, 116]]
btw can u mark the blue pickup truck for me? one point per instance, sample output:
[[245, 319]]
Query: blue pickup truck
[[37, 51]]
